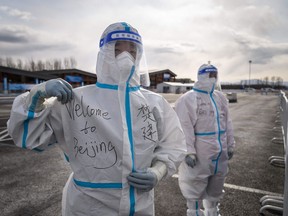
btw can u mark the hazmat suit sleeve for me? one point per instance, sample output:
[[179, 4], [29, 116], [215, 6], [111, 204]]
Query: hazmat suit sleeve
[[171, 148], [230, 134], [229, 130], [29, 129], [185, 108]]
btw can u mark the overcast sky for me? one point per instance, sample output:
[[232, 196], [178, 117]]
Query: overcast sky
[[177, 35]]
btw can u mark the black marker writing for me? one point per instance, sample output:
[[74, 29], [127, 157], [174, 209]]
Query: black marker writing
[[148, 119], [88, 129], [102, 155], [148, 132], [145, 113], [79, 109]]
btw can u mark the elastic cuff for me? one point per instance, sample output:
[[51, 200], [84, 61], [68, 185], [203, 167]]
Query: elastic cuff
[[159, 168], [36, 98], [230, 148]]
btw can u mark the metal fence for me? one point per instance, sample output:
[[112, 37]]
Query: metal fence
[[278, 205], [4, 136], [5, 107]]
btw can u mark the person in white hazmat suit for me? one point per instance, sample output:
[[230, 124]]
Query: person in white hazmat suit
[[204, 116], [120, 139]]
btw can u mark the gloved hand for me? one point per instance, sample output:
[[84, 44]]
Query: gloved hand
[[191, 160], [59, 88], [230, 152], [55, 87], [146, 181]]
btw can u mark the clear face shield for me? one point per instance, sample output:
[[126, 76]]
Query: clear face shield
[[125, 58], [213, 76], [209, 74], [144, 74]]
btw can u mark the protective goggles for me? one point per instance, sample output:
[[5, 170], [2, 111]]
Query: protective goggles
[[121, 35]]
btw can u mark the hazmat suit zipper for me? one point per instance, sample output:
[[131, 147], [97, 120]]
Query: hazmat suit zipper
[[219, 130], [130, 136]]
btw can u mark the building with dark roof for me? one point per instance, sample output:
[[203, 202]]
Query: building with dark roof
[[174, 87], [74, 76], [17, 80], [161, 76], [21, 80]]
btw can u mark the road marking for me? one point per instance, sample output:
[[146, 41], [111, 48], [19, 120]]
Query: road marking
[[246, 189], [252, 190]]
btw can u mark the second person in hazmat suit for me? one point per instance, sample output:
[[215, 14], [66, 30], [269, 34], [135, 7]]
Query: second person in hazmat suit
[[204, 116], [120, 139]]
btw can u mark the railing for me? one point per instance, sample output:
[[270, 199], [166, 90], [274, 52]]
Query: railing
[[5, 107], [273, 204], [4, 136]]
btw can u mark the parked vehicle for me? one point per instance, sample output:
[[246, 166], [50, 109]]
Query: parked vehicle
[[232, 97], [251, 90], [268, 90]]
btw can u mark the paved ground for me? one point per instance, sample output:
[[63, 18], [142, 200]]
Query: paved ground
[[31, 183]]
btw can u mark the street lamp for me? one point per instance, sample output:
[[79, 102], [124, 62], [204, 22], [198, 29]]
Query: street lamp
[[249, 71]]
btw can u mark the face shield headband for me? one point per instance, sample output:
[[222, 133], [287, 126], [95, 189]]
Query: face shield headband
[[125, 35], [206, 81], [128, 34], [208, 70]]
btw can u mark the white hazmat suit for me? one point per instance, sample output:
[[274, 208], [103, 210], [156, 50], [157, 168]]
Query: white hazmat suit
[[107, 131], [204, 116]]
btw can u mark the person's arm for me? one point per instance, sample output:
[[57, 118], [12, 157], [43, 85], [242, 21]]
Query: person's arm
[[53, 88], [230, 137], [229, 131], [29, 124], [186, 110], [169, 153], [171, 149], [146, 181]]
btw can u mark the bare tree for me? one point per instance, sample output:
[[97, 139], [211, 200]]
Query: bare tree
[[66, 63], [73, 63], [40, 65], [32, 65], [19, 64], [266, 80], [273, 80], [10, 62], [279, 81], [49, 65], [26, 65], [1, 61], [57, 64]]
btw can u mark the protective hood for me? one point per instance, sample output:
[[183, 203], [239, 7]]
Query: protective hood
[[205, 83], [124, 67]]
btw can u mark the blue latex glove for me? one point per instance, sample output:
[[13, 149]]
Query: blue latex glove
[[191, 160], [59, 88], [144, 181], [230, 153]]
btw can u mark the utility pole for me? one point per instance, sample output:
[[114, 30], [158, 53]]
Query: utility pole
[[249, 71]]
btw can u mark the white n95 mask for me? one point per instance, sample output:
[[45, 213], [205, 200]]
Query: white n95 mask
[[212, 80], [125, 62]]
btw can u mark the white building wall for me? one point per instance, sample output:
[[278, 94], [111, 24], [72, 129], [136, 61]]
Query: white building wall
[[174, 88]]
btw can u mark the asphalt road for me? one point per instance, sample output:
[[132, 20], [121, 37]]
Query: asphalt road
[[31, 183]]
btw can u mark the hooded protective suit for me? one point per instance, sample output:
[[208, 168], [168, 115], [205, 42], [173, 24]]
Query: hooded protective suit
[[204, 116], [106, 132]]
